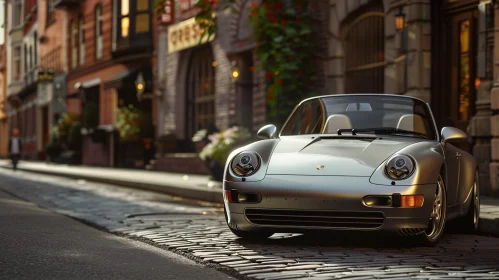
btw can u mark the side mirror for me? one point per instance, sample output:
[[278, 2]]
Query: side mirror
[[452, 134], [267, 132]]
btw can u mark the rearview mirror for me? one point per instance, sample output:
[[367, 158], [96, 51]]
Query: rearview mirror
[[452, 134], [267, 132]]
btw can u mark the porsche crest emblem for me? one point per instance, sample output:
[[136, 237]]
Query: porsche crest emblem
[[320, 167]]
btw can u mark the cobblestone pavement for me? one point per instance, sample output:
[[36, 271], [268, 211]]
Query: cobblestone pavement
[[198, 230]]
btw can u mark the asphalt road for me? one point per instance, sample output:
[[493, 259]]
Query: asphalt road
[[38, 244]]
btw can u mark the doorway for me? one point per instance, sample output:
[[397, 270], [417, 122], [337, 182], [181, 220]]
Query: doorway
[[454, 39], [200, 94]]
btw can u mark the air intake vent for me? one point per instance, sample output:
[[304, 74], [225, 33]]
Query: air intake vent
[[410, 231], [315, 218]]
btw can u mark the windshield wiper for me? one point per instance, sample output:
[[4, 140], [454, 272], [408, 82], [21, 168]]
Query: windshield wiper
[[382, 130]]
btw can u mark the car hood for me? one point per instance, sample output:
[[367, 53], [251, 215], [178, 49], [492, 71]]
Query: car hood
[[299, 155]]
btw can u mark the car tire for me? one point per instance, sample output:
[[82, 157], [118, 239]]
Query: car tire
[[469, 223], [436, 225], [248, 235]]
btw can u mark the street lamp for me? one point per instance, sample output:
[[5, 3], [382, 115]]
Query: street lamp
[[140, 85], [400, 20], [235, 71]]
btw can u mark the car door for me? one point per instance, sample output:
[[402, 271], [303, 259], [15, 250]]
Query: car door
[[453, 166]]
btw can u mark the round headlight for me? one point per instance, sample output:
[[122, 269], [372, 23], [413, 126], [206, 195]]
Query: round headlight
[[400, 167], [245, 164]]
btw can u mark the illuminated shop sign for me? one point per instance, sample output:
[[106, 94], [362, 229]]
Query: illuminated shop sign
[[185, 34]]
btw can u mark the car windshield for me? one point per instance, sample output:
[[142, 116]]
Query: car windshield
[[375, 114]]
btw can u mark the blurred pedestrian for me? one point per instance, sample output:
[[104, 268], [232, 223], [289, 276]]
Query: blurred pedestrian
[[15, 148]]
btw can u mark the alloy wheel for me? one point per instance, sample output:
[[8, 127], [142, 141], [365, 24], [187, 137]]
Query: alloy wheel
[[437, 217], [476, 201]]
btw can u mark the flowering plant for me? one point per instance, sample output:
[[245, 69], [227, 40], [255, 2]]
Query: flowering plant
[[223, 143], [286, 37], [128, 123], [62, 128]]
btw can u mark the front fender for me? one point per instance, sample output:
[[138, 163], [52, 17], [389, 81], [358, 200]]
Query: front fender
[[429, 160], [264, 148]]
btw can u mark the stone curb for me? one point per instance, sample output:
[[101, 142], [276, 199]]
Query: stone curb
[[204, 194], [489, 225]]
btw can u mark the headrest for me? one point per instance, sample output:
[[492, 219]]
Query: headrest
[[412, 122], [335, 122], [359, 107]]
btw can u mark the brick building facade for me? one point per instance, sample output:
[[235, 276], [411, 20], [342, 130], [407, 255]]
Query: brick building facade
[[110, 43]]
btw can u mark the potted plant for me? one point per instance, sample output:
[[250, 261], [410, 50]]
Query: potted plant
[[128, 122], [221, 144]]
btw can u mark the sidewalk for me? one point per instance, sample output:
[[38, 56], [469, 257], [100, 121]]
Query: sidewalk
[[192, 186]]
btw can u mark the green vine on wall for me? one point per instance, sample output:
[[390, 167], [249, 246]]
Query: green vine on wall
[[285, 34], [286, 47]]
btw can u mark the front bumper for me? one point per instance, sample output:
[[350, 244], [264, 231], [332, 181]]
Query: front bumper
[[285, 199]]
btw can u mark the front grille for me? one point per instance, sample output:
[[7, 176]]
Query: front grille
[[315, 218]]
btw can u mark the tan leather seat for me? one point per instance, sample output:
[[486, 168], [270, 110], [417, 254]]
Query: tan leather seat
[[335, 122], [412, 122]]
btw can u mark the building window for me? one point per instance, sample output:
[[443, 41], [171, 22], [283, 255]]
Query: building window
[[364, 43], [142, 17], [133, 18], [26, 59], [17, 63], [464, 71], [74, 45], [98, 32], [30, 59], [35, 42], [81, 39], [17, 13], [50, 12], [125, 18]]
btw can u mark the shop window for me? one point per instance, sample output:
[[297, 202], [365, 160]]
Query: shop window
[[363, 35], [98, 32], [81, 39]]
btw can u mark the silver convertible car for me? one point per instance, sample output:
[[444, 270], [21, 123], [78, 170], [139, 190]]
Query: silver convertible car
[[363, 162]]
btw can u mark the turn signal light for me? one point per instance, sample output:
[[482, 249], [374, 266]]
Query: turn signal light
[[228, 196], [411, 201]]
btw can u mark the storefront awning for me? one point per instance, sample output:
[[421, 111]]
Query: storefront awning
[[88, 84], [116, 81]]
